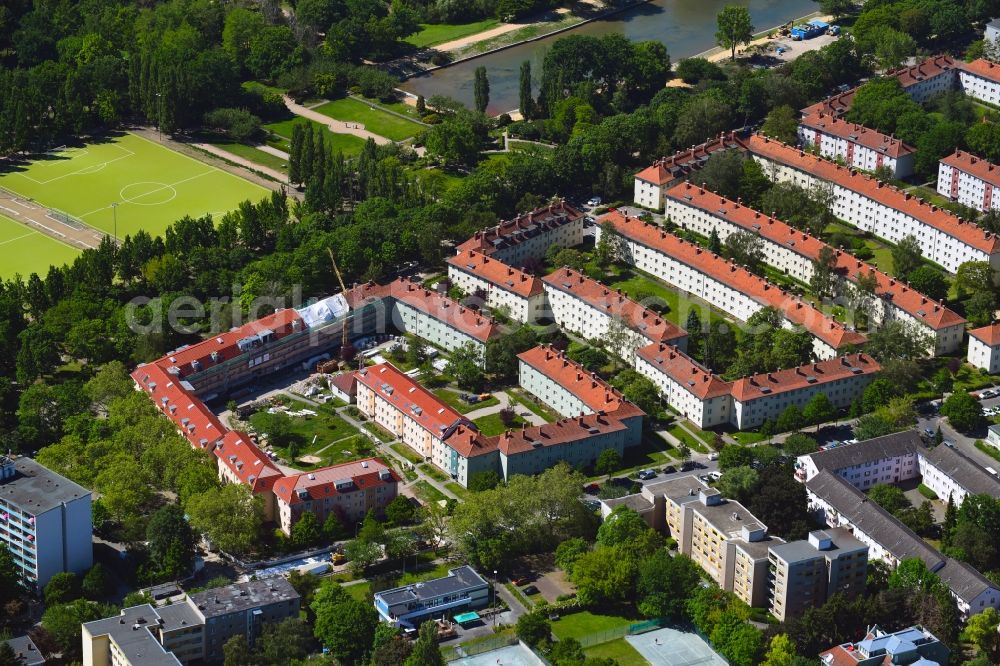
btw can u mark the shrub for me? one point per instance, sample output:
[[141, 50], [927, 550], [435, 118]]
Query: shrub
[[238, 124]]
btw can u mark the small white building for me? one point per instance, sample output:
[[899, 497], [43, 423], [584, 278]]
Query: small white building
[[992, 32], [856, 145], [984, 348], [503, 287], [969, 180]]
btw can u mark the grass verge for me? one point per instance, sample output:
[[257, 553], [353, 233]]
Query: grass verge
[[927, 492], [431, 34], [350, 110], [620, 650], [406, 452]]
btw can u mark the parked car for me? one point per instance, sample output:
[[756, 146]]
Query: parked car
[[669, 469], [647, 474], [949, 444], [713, 456], [594, 201], [592, 489], [531, 589]]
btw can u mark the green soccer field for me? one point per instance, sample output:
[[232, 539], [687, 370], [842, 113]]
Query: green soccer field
[[24, 250], [152, 186]]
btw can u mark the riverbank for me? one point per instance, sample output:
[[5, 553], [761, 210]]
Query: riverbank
[[717, 53]]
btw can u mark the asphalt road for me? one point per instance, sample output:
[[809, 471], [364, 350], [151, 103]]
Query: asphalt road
[[963, 443]]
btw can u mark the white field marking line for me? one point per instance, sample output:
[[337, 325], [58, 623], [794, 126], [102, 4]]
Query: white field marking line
[[10, 210], [17, 238], [80, 171], [132, 201], [55, 231], [64, 151], [188, 157]]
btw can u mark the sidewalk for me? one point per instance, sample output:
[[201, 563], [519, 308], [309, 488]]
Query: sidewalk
[[505, 401], [236, 159], [335, 126]]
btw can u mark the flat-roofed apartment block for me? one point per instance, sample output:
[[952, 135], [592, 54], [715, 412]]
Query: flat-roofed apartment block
[[567, 387], [969, 180], [888, 459], [193, 630], [950, 473], [758, 398], [856, 145], [806, 573], [730, 288], [984, 348], [686, 385], [502, 286], [45, 521], [525, 239], [878, 208], [652, 182], [462, 590], [589, 309], [795, 253], [651, 501]]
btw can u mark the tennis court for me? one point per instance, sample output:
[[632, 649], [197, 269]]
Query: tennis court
[[26, 250], [670, 647], [512, 655], [148, 185]]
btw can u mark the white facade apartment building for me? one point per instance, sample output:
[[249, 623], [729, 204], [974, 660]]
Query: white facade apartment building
[[652, 182], [969, 180], [878, 208], [526, 238], [950, 473], [505, 287], [984, 348], [980, 79], [45, 521], [795, 252], [888, 459], [702, 397], [596, 312], [856, 145], [765, 396], [732, 289]]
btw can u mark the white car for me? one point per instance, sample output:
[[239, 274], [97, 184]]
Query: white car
[[594, 201]]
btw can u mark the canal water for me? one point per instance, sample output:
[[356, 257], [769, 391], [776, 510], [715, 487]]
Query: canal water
[[686, 27]]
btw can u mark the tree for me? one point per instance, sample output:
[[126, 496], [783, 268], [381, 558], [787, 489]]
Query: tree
[[569, 551], [898, 340], [171, 541], [782, 123], [96, 583], [737, 482], [693, 70], [12, 588], [798, 444], [715, 247], [390, 648], [745, 249], [819, 409], [344, 625], [62, 588], [458, 138], [889, 497], [906, 256], [974, 276], [481, 90], [981, 629], [665, 584], [526, 101], [780, 502], [230, 516], [722, 173], [400, 511], [282, 643], [64, 621], [734, 28], [782, 650], [980, 307], [734, 455], [425, 650], [913, 575], [533, 628], [362, 553], [306, 531], [236, 651], [610, 246], [824, 276], [963, 411], [837, 9], [465, 365], [608, 462], [567, 652], [487, 480], [929, 281], [790, 419]]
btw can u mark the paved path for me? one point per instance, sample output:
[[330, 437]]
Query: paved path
[[236, 159], [505, 401], [336, 126], [264, 148], [37, 217]]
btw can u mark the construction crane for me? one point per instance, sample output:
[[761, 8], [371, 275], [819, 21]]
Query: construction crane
[[346, 350]]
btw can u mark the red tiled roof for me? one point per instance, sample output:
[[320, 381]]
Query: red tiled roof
[[521, 227], [225, 345], [470, 443], [793, 379], [614, 303], [931, 313], [760, 290], [565, 431], [321, 483], [197, 423], [441, 307], [837, 105], [685, 371], [983, 68], [989, 335], [859, 134], [247, 462], [668, 169], [974, 166], [927, 69], [362, 294], [409, 397], [346, 383], [929, 214], [593, 391], [496, 272]]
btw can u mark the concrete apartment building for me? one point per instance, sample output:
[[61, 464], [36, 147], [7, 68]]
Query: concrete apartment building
[[950, 473], [588, 308], [438, 319], [45, 521], [26, 653], [462, 590], [984, 348], [913, 645], [969, 180], [858, 146], [888, 459], [879, 208], [191, 631], [503, 287], [806, 573], [651, 501], [525, 239], [652, 182], [702, 397], [795, 253], [730, 288]]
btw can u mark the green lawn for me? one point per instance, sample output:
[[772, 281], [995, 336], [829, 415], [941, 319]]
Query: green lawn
[[430, 470], [429, 493], [460, 492], [532, 405], [586, 623], [687, 438], [407, 452], [492, 425], [379, 122], [360, 591], [281, 137], [652, 452], [25, 250], [380, 432], [326, 428], [619, 649], [150, 185], [748, 437], [639, 286], [255, 155], [431, 34], [454, 400]]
